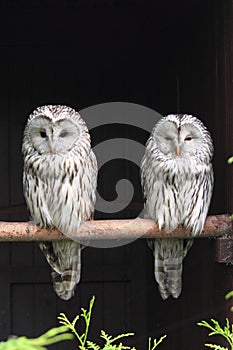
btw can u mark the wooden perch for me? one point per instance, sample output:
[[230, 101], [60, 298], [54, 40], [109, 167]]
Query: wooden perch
[[218, 225]]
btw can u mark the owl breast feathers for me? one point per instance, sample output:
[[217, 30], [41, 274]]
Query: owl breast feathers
[[177, 180], [59, 180]]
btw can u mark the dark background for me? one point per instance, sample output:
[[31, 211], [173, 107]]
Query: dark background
[[171, 56]]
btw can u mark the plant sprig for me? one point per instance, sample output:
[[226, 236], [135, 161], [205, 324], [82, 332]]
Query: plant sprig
[[110, 341], [71, 325], [155, 342], [216, 329], [228, 296], [52, 336]]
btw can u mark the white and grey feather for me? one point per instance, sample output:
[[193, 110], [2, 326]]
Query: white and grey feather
[[59, 180], [177, 181]]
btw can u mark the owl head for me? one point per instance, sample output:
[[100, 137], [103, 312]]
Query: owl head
[[182, 136], [55, 129]]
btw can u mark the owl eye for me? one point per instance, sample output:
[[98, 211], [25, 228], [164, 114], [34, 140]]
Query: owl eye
[[167, 138], [63, 134], [43, 134], [188, 138]]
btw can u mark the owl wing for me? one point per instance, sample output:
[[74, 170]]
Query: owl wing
[[73, 196], [198, 200], [168, 253], [35, 192], [145, 176], [64, 203], [72, 203]]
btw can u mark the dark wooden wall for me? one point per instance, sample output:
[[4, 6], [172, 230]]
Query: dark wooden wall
[[170, 56]]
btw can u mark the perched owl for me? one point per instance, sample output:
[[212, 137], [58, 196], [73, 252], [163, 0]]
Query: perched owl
[[177, 180], [59, 180]]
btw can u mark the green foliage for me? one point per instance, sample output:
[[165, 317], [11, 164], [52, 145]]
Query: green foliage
[[228, 296], [155, 343], [230, 160], [226, 331], [86, 315], [109, 341], [54, 335], [58, 334]]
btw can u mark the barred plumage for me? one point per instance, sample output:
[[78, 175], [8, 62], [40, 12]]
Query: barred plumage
[[177, 179], [59, 180]]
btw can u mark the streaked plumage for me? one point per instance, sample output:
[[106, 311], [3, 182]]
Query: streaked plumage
[[177, 180], [59, 180]]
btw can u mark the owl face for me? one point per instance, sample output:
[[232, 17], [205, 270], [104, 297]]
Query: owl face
[[54, 129], [180, 136]]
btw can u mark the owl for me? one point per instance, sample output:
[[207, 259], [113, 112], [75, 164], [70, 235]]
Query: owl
[[177, 181], [59, 183]]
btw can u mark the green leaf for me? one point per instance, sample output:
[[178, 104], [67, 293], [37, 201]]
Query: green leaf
[[110, 341], [216, 347], [52, 336], [155, 342], [216, 329], [91, 345], [75, 320], [229, 295]]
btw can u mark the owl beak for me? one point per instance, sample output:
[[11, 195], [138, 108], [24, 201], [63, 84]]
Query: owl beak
[[52, 149], [178, 151]]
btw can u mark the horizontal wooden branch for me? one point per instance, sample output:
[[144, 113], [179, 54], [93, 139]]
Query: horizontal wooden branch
[[217, 225]]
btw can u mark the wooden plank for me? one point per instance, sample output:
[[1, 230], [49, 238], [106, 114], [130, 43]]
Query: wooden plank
[[86, 291], [5, 254], [19, 77], [141, 279], [21, 254], [224, 250], [22, 300], [44, 302], [117, 256], [5, 137], [5, 306], [116, 303]]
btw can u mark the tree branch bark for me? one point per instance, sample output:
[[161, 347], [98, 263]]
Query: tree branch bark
[[217, 225]]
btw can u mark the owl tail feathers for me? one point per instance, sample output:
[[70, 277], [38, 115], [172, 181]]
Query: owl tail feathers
[[168, 264], [65, 280], [64, 284], [65, 260], [169, 277]]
